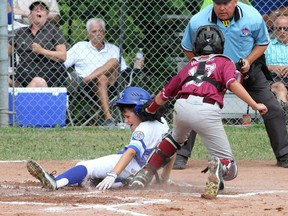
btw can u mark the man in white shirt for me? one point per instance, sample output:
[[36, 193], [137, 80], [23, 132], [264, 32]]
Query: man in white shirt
[[97, 63]]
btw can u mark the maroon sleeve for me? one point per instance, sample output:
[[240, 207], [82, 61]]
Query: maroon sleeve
[[171, 89]]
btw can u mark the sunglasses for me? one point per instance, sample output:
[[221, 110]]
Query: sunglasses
[[281, 28]]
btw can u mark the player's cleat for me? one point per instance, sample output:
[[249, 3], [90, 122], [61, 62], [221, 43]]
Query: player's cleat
[[141, 179], [46, 179], [215, 180]]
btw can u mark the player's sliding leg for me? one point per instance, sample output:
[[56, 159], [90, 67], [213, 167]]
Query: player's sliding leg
[[158, 158], [75, 175]]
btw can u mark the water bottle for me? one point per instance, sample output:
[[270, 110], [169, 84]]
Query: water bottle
[[139, 60]]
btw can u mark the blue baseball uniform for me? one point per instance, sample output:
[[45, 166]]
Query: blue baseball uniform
[[143, 140]]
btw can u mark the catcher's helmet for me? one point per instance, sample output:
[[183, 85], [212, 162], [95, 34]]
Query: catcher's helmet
[[208, 40], [134, 95]]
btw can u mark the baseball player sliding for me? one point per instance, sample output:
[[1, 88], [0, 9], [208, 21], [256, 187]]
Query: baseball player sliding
[[113, 170], [200, 87]]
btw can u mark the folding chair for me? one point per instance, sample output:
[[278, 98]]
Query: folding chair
[[82, 104]]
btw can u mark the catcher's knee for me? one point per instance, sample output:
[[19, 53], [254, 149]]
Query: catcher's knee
[[230, 170], [174, 146], [171, 140]]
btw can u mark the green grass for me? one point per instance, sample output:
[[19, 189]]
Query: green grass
[[86, 143]]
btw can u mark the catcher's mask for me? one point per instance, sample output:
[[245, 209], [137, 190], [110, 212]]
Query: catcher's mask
[[134, 96], [208, 40]]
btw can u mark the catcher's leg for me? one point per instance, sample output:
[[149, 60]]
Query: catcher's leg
[[215, 178], [158, 158], [219, 170], [224, 169]]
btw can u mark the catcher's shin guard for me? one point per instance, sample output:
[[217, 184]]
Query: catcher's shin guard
[[159, 157], [163, 153]]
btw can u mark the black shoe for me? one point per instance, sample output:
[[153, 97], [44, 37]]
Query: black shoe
[[180, 162], [283, 161]]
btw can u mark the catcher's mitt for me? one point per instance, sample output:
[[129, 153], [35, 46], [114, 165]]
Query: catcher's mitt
[[145, 116]]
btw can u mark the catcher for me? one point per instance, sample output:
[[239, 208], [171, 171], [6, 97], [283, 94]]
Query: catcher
[[199, 88], [114, 170]]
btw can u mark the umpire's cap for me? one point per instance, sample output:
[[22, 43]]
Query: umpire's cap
[[36, 3], [221, 1]]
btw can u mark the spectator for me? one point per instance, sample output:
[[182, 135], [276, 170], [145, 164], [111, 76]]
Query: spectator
[[22, 9], [277, 59], [96, 62], [249, 45], [147, 133], [270, 9], [41, 49]]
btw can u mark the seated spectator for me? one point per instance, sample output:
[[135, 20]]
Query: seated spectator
[[270, 10], [96, 63], [277, 59], [22, 11], [41, 49]]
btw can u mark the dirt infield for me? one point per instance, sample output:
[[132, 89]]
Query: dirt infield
[[260, 189]]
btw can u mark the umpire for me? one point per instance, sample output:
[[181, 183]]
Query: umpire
[[246, 37]]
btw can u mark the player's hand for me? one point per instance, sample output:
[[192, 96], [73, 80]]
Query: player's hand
[[107, 182], [262, 108]]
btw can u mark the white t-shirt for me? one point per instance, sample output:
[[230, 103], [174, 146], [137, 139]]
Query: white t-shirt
[[86, 58]]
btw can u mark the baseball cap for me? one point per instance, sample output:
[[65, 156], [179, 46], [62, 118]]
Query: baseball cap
[[221, 1], [36, 3]]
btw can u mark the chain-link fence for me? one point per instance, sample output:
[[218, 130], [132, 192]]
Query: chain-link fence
[[154, 26]]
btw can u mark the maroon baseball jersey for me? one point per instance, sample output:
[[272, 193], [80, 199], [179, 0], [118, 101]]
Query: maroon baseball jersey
[[218, 67]]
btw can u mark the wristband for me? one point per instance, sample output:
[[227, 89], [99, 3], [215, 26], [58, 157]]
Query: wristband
[[153, 107], [112, 174]]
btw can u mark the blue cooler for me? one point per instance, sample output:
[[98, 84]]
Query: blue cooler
[[38, 107]]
